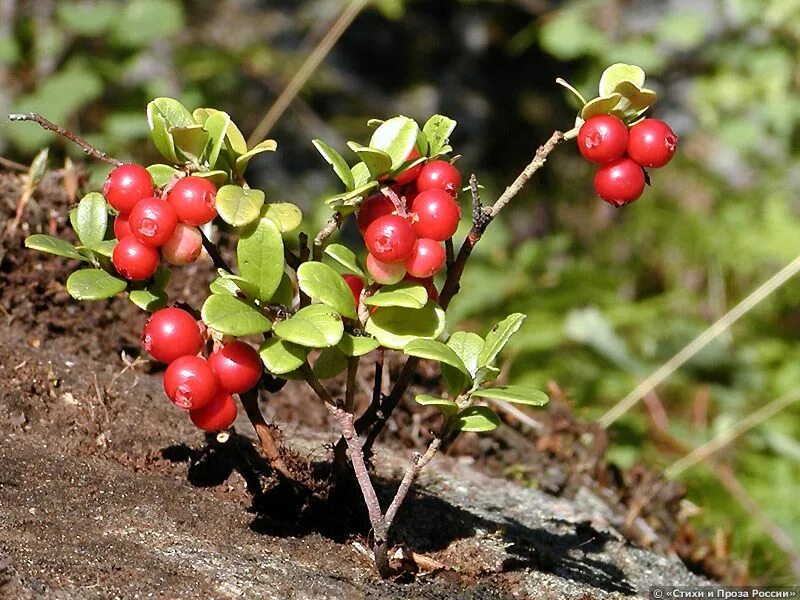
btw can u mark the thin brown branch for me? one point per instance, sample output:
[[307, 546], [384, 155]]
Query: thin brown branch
[[264, 433], [350, 393], [214, 253], [418, 463], [13, 165], [450, 253], [73, 137], [322, 237]]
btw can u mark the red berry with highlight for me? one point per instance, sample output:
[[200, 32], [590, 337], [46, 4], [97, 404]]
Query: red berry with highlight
[[373, 207], [237, 366], [385, 273], [390, 238], [122, 228], [134, 260], [219, 413], [193, 199], [437, 215], [171, 333], [126, 185], [356, 285], [190, 383], [183, 246], [439, 175], [411, 174], [153, 221], [426, 258], [603, 139], [652, 143], [619, 182]]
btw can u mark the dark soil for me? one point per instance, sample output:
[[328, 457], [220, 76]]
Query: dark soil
[[89, 445]]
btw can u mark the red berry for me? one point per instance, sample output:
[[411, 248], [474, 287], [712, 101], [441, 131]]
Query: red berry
[[193, 200], [426, 258], [619, 182], [428, 283], [126, 185], [390, 238], [122, 228], [134, 260], [356, 285], [171, 333], [152, 221], [411, 174], [652, 143], [183, 246], [218, 414], [385, 273], [437, 215], [189, 382], [237, 366], [602, 139], [373, 207], [439, 175]]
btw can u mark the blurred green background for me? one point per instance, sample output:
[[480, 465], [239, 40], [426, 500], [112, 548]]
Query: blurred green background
[[610, 294]]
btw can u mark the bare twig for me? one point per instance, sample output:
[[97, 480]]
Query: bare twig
[[450, 252], [214, 253], [264, 433], [350, 394], [50, 126], [319, 241], [11, 164], [418, 462]]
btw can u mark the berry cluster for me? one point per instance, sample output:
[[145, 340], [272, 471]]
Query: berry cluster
[[201, 386], [404, 231], [623, 154], [148, 222]]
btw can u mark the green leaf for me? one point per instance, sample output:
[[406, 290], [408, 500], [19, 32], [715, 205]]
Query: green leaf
[[38, 167], [315, 326], [90, 219], [162, 115], [260, 257], [455, 381], [281, 357], [515, 393], [238, 206], [404, 294], [498, 337], [435, 350], [232, 316], [438, 130], [248, 288], [94, 284], [635, 100], [477, 419], [330, 363], [445, 405], [378, 162], [603, 105], [148, 299], [105, 248], [345, 257], [353, 345], [285, 292], [162, 174], [285, 215], [397, 138], [322, 284], [347, 203], [218, 178], [618, 73], [223, 285], [190, 140], [140, 22], [486, 374], [216, 123], [333, 158], [467, 346], [243, 160], [361, 175], [395, 327], [53, 245]]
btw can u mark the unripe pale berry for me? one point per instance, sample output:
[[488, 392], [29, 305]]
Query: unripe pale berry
[[356, 285], [439, 175], [134, 260], [219, 413], [426, 258], [237, 366], [126, 185], [619, 182], [194, 200], [122, 228], [602, 139], [390, 238], [652, 143], [171, 333], [190, 383], [153, 221], [411, 174], [183, 246], [373, 207], [436, 215], [385, 273]]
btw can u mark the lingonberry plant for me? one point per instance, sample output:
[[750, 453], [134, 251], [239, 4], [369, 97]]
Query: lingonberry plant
[[317, 312]]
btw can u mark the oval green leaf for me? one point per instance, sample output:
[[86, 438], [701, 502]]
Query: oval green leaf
[[353, 345], [467, 346], [94, 284], [330, 363], [244, 159], [616, 74], [322, 284], [437, 130], [406, 294], [446, 406], [162, 174], [396, 137], [515, 393], [285, 215], [239, 206], [604, 105], [315, 326], [232, 316], [260, 257], [53, 245], [344, 257], [333, 158], [498, 337], [281, 357], [378, 162], [477, 419], [435, 350], [149, 300], [395, 327], [90, 219]]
